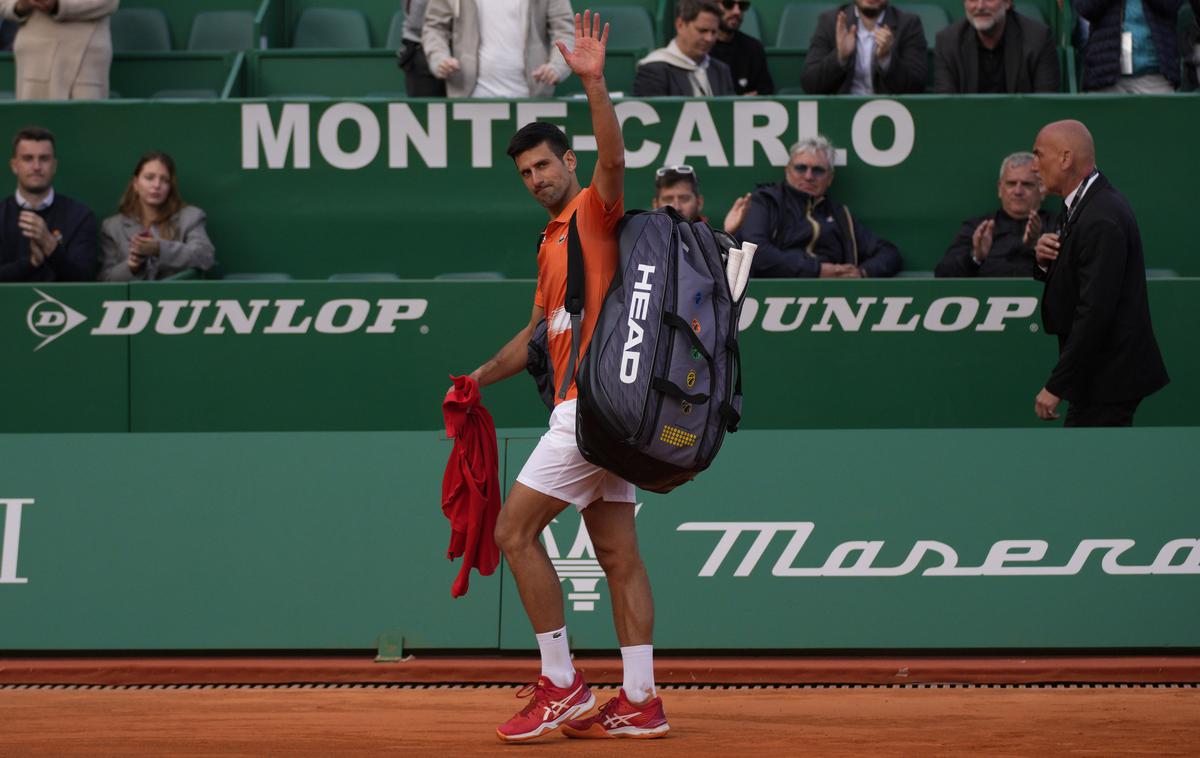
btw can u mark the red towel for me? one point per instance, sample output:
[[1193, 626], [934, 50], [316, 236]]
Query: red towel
[[471, 484]]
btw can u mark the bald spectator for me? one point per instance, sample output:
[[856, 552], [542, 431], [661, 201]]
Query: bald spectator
[[684, 67], [867, 47], [745, 56], [63, 50], [801, 232], [995, 49], [1002, 243]]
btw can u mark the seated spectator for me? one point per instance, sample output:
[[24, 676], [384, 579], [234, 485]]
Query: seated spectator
[[801, 232], [1152, 65], [489, 48], [64, 48], [419, 81], [154, 233], [684, 67], [44, 236], [995, 49], [745, 56], [1002, 243], [867, 47], [679, 188]]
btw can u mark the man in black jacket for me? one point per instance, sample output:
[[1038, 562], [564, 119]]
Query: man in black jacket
[[995, 49], [1001, 243], [44, 236], [867, 47], [1095, 296], [745, 56], [684, 67], [800, 232]]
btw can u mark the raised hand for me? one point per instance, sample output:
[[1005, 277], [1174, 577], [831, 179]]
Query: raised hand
[[1033, 228], [587, 59], [883, 42], [981, 240], [737, 214], [847, 38]]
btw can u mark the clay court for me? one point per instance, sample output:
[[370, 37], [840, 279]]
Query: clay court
[[997, 707]]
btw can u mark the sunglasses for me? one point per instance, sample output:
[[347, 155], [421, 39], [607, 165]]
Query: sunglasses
[[729, 4], [804, 168], [682, 168]]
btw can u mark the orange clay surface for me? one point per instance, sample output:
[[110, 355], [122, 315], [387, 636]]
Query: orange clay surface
[[453, 722]]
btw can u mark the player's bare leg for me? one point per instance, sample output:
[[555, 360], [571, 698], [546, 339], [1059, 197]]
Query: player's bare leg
[[611, 527], [525, 514]]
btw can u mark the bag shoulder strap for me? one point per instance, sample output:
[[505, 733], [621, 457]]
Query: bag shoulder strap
[[573, 302]]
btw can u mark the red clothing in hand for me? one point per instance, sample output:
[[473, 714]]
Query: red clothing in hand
[[471, 484]]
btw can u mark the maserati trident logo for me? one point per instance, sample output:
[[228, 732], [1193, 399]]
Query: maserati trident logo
[[50, 319], [579, 565]]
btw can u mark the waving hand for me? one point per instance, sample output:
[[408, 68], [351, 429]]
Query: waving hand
[[587, 59]]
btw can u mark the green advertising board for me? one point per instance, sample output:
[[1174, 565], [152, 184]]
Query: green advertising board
[[319, 186], [359, 356], [793, 540]]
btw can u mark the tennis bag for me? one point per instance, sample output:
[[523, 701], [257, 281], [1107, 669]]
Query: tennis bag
[[661, 381]]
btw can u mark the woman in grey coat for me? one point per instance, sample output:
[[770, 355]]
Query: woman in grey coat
[[154, 234]]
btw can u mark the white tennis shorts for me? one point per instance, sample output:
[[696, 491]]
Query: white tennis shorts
[[557, 468]]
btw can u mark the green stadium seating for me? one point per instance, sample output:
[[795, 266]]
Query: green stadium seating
[[395, 35], [222, 30], [797, 24], [186, 94], [785, 67], [148, 74], [934, 18], [140, 30], [751, 25], [1032, 10], [467, 275], [632, 27], [323, 73], [365, 276], [272, 276], [334, 28]]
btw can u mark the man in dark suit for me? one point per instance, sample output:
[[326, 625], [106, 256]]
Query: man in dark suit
[[684, 67], [995, 49], [1095, 297], [866, 48]]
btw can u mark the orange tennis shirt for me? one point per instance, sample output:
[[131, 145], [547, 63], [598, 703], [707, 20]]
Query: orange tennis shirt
[[598, 234]]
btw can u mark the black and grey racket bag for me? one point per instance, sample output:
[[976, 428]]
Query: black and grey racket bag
[[661, 383]]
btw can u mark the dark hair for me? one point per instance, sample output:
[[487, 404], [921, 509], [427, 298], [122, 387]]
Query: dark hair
[[33, 134], [671, 178], [539, 132], [130, 205], [688, 10]]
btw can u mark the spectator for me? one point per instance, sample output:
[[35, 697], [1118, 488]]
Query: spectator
[[1002, 243], [487, 48], [679, 187], [867, 47], [154, 233], [44, 236], [64, 48], [419, 81], [684, 67], [1152, 65], [745, 56], [800, 232], [995, 49]]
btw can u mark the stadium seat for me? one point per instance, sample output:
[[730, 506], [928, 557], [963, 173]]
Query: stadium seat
[[632, 27], [338, 28], [186, 94], [1031, 10], [366, 276], [395, 36], [934, 18], [751, 25], [797, 24], [271, 276], [222, 30], [467, 275], [140, 30]]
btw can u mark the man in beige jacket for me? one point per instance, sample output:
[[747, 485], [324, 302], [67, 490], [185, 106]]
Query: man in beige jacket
[[64, 48], [497, 48]]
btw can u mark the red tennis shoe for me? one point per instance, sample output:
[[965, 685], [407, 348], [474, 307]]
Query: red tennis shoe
[[548, 708], [621, 718]]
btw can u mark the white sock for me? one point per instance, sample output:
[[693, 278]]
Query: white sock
[[556, 657], [639, 672]]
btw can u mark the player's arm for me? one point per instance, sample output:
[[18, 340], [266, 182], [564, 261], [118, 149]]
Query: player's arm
[[587, 61], [512, 358]]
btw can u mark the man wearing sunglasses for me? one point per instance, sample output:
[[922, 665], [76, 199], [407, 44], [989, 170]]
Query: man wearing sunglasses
[[866, 47], [684, 67], [745, 56], [801, 232]]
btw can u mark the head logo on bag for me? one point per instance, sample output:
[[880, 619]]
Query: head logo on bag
[[639, 302]]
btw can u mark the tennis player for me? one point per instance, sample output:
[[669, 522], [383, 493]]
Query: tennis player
[[556, 475]]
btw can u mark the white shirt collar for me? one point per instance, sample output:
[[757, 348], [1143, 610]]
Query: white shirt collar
[[1081, 189], [47, 201]]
